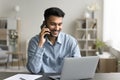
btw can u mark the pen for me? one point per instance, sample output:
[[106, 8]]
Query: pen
[[22, 78]]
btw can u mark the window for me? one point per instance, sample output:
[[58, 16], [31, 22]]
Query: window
[[111, 27]]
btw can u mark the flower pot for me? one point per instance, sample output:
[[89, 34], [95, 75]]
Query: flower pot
[[100, 50], [12, 48]]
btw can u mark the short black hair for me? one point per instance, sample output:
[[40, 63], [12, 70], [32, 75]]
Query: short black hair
[[53, 11]]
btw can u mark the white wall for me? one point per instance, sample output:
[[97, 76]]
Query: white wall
[[31, 14]]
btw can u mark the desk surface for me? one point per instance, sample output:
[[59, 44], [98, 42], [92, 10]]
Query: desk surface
[[98, 76]]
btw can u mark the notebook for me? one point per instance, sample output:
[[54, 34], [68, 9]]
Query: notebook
[[78, 68]]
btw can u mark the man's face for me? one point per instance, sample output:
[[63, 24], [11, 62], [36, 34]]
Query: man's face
[[54, 23]]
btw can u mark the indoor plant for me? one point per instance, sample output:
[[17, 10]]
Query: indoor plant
[[99, 46]]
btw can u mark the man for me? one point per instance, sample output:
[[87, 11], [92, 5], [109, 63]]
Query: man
[[47, 50]]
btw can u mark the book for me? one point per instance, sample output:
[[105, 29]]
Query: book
[[93, 25]]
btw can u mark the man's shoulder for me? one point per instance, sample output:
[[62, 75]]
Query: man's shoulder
[[35, 38], [66, 36]]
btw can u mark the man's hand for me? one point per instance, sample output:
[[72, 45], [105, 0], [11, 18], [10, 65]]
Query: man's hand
[[44, 31]]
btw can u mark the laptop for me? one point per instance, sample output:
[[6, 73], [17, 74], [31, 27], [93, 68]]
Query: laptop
[[78, 68]]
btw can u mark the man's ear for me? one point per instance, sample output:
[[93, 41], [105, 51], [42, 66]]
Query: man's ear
[[45, 23]]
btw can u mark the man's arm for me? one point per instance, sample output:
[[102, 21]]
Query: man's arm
[[35, 54], [36, 51], [75, 50]]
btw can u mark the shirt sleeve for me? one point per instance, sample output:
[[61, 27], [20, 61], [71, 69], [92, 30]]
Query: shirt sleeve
[[35, 54], [75, 50]]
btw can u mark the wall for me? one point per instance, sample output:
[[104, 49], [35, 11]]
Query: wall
[[31, 14]]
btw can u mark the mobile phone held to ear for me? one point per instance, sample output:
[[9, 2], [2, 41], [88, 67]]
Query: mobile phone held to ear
[[44, 26]]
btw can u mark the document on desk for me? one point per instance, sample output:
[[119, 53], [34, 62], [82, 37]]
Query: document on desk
[[23, 77]]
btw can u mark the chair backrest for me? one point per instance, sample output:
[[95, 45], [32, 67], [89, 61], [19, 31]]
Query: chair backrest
[[3, 47]]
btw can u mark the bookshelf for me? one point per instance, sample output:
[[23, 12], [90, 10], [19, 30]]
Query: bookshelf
[[7, 25], [86, 34], [3, 32]]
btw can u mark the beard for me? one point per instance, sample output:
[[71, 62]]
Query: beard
[[54, 33]]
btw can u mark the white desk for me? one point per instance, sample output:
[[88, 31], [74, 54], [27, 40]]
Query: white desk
[[98, 76], [107, 76]]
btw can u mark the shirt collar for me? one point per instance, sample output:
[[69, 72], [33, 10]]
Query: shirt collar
[[59, 39]]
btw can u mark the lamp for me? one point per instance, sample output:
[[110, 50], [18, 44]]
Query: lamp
[[18, 19], [17, 10], [92, 8]]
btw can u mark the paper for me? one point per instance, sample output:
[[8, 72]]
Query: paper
[[23, 77]]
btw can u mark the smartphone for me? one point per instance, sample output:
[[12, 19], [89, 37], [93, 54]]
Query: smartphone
[[42, 26]]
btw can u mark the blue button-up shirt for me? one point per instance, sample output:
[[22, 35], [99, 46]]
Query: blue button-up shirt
[[49, 58]]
